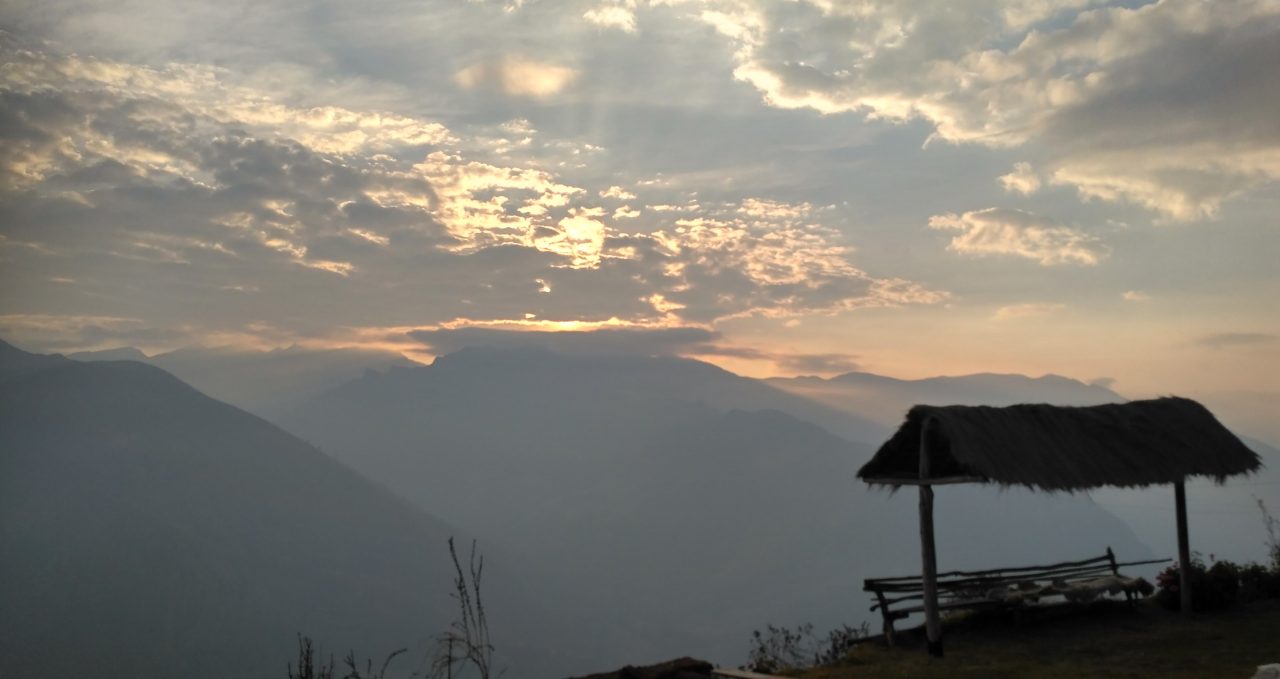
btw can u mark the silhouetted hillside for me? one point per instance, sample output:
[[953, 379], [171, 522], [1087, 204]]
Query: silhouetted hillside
[[1225, 519], [887, 399], [147, 530], [652, 503], [117, 354], [265, 383]]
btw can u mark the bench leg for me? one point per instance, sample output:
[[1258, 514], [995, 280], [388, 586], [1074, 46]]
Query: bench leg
[[888, 631]]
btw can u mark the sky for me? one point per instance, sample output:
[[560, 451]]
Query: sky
[[779, 187]]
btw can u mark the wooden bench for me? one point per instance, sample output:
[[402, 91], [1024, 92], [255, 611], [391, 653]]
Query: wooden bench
[[896, 598]]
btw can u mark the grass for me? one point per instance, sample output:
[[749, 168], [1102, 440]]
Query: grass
[[1107, 639]]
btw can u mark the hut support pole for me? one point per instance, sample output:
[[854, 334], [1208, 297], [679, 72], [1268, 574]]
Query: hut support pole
[[932, 621], [1184, 548]]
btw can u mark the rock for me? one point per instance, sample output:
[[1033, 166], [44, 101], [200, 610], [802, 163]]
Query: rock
[[1271, 671], [681, 668]]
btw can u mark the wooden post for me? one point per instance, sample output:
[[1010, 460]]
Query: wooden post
[[888, 617], [1184, 547], [932, 622]]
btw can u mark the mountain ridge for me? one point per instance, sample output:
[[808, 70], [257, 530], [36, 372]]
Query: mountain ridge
[[266, 383], [699, 516], [150, 530]]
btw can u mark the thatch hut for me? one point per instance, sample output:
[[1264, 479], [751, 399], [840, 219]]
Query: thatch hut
[[1056, 448]]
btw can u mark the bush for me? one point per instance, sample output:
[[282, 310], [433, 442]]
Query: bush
[[1272, 525], [1212, 588], [1219, 586], [1258, 582], [465, 644], [782, 648], [311, 667]]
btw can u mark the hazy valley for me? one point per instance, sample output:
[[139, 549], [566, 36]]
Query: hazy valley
[[632, 508]]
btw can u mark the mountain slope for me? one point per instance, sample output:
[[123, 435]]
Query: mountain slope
[[694, 522], [887, 399], [148, 530], [117, 354], [1225, 519], [265, 383]]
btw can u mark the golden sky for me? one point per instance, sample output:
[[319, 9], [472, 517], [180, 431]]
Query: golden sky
[[1076, 187]]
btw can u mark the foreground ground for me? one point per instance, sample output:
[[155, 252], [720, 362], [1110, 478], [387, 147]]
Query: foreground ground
[[1103, 640]]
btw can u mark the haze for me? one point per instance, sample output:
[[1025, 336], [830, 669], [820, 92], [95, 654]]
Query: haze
[[715, 228]]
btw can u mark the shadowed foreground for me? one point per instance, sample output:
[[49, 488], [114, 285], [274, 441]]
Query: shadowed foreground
[[1104, 640]]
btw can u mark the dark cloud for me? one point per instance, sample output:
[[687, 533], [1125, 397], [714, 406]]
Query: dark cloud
[[822, 364], [682, 341], [1169, 105], [68, 332], [609, 341], [1226, 340], [190, 202], [789, 363]]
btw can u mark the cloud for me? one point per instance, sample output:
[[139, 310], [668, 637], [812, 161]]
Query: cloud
[[1166, 105], [617, 192], [619, 15], [625, 341], [53, 332], [785, 362], [1169, 105], [746, 262], [756, 207], [1227, 340], [1003, 231], [1027, 310], [606, 341], [1022, 180], [516, 76], [818, 364], [579, 237], [1103, 382], [145, 181], [1135, 296]]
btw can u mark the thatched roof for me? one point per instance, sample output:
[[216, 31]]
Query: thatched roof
[[1139, 443]]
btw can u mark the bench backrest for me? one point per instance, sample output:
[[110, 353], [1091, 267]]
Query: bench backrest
[[970, 579]]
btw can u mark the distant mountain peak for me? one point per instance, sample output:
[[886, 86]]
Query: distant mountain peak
[[14, 360], [866, 376], [115, 354], [537, 354]]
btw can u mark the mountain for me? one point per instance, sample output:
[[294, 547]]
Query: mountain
[[647, 500], [1225, 519], [118, 354], [149, 530], [265, 383], [887, 399]]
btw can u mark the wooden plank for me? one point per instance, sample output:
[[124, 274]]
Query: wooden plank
[[975, 582], [933, 621], [999, 571], [1064, 564], [1143, 563], [1184, 547], [888, 618], [912, 587], [993, 584], [915, 585]]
